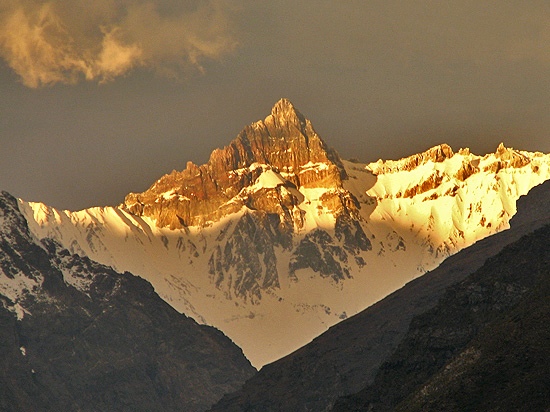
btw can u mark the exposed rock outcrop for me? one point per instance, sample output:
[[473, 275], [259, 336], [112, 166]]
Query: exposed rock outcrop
[[236, 267], [508, 157]]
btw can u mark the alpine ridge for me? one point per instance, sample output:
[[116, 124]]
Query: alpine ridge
[[276, 238]]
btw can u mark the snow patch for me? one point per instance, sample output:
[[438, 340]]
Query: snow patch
[[268, 180]]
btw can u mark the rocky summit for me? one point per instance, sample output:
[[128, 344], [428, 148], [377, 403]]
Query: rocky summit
[[284, 148], [276, 238]]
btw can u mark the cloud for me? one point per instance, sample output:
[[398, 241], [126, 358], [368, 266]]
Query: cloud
[[65, 41]]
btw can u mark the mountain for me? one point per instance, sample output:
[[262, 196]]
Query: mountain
[[276, 238], [348, 356], [483, 347], [77, 336]]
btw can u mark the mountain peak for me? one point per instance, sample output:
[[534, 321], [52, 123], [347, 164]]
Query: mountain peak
[[284, 115], [510, 157], [282, 104], [285, 142], [284, 108]]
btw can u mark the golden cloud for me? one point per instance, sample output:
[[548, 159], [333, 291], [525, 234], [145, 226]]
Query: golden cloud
[[64, 41]]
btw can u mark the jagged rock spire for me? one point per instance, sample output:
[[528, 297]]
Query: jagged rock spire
[[284, 141], [510, 157], [284, 113]]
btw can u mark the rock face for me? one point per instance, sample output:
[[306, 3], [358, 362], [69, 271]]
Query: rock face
[[276, 238], [285, 143], [348, 356], [483, 347], [76, 335]]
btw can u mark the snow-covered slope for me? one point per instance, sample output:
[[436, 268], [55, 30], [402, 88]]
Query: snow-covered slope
[[275, 238]]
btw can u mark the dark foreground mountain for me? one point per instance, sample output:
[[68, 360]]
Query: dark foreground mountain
[[484, 347], [348, 356], [77, 336]]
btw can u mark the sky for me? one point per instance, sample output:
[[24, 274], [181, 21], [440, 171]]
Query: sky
[[99, 99]]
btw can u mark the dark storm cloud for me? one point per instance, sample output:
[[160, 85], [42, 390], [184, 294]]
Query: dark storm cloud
[[378, 79]]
